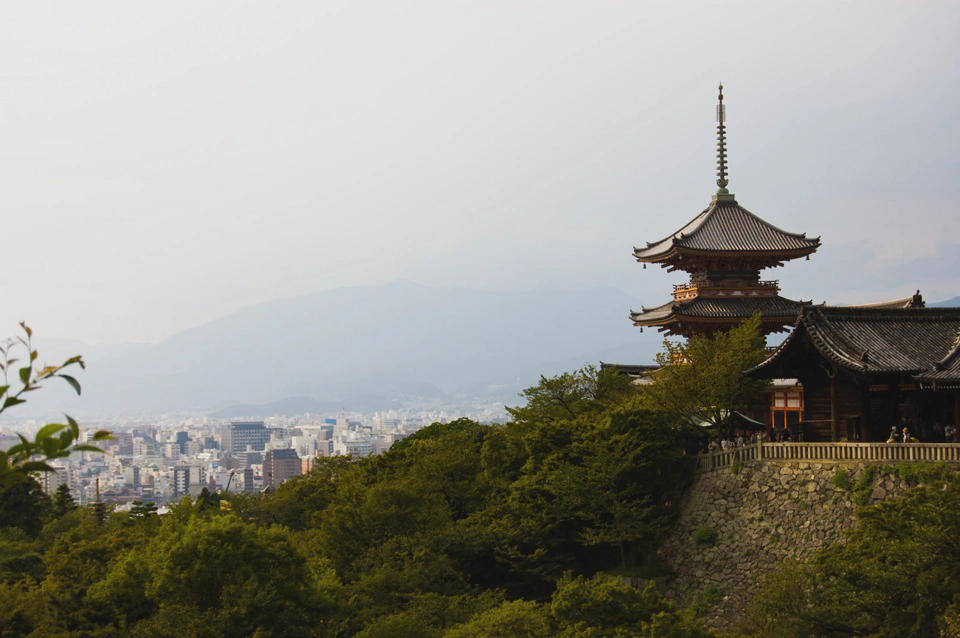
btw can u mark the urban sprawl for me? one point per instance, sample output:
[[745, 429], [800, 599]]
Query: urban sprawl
[[163, 461]]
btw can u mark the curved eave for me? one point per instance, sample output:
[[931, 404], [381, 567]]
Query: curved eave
[[952, 356], [672, 317], [776, 356], [677, 251], [826, 344], [946, 372], [832, 345], [727, 223], [673, 312]]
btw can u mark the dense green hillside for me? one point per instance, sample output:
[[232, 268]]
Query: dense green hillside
[[462, 529]]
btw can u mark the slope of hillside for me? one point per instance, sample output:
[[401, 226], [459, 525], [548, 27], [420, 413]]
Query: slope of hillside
[[400, 339], [949, 303]]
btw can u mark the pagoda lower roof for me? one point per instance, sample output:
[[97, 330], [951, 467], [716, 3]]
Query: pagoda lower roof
[[728, 309], [923, 343], [727, 227]]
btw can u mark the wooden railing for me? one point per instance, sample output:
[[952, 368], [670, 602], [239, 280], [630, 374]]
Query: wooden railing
[[725, 283], [832, 452]]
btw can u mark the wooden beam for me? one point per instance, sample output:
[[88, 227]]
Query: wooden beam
[[834, 425]]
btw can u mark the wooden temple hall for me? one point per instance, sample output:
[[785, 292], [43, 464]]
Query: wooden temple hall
[[845, 373]]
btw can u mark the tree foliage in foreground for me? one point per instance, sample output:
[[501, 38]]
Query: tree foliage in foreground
[[896, 576], [700, 383], [461, 529]]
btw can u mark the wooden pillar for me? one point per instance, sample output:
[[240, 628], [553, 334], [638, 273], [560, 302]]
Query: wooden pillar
[[866, 432], [833, 406]]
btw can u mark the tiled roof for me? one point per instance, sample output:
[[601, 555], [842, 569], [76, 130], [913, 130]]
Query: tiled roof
[[628, 368], [893, 303], [947, 369], [916, 341], [730, 308], [915, 301], [726, 226]]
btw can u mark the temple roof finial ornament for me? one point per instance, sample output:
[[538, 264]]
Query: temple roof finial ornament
[[722, 180], [724, 248]]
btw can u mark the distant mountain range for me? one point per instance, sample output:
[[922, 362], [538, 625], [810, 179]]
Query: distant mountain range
[[363, 348], [949, 303]]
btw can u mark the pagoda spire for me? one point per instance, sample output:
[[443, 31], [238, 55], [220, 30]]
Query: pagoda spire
[[722, 180]]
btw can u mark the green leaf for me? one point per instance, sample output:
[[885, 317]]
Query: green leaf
[[33, 356], [25, 375], [3, 388], [66, 439], [86, 448], [104, 435], [35, 466], [50, 447], [73, 382], [49, 430], [73, 426], [26, 328], [20, 448]]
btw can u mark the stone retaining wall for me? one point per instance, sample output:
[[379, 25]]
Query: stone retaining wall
[[768, 513]]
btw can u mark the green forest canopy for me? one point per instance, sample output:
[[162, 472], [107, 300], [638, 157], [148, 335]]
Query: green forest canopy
[[462, 530], [457, 530]]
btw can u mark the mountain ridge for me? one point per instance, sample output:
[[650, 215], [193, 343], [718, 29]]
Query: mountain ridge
[[393, 340]]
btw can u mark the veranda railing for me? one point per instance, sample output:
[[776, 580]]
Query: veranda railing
[[870, 452]]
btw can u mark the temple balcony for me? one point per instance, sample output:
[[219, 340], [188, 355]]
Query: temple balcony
[[726, 288]]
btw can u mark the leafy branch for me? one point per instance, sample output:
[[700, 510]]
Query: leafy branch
[[52, 441]]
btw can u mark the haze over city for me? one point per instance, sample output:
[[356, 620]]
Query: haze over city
[[161, 169]]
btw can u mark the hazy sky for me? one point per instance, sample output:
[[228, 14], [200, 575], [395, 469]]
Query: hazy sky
[[162, 164]]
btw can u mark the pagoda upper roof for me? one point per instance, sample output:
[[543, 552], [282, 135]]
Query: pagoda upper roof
[[710, 309], [921, 342], [727, 227]]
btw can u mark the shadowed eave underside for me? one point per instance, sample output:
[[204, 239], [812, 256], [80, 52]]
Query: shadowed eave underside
[[776, 312]]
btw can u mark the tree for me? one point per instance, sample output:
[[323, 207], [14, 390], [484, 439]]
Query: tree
[[515, 619], [216, 571], [140, 510], [63, 501], [700, 383], [897, 575], [571, 394], [584, 479], [52, 441], [630, 470], [24, 505], [598, 607], [603, 607], [300, 502]]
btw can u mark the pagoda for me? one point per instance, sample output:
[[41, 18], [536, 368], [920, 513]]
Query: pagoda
[[724, 248]]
